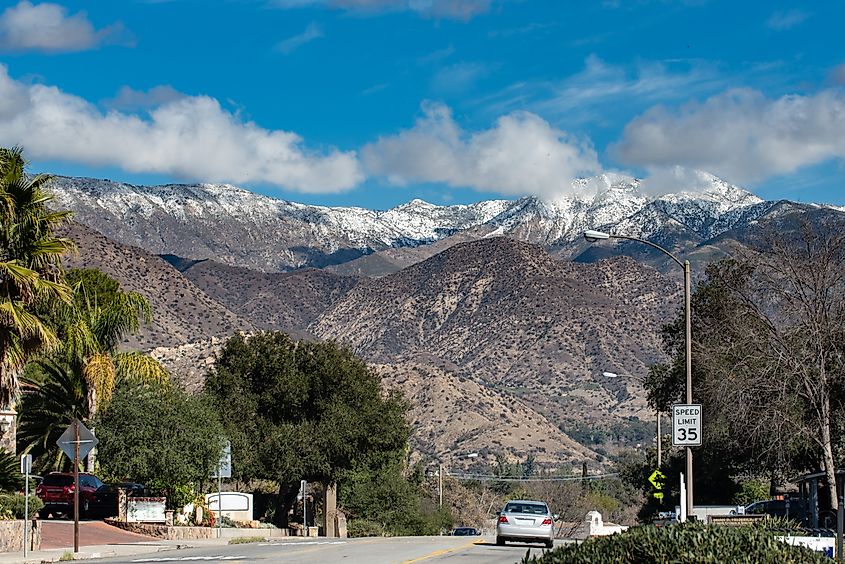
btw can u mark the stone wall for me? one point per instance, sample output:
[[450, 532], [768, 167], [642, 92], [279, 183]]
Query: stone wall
[[8, 430], [11, 536], [165, 531], [193, 533]]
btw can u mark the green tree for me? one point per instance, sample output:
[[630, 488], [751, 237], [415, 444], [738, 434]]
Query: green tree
[[159, 435], [302, 410], [30, 268]]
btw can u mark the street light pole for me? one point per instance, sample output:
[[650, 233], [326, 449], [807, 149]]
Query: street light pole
[[592, 237]]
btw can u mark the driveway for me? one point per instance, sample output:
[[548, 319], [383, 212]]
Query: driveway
[[59, 534]]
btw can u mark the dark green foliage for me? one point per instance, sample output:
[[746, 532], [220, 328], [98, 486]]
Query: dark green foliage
[[12, 506], [690, 543], [53, 394], [11, 478], [385, 497], [302, 410], [159, 435]]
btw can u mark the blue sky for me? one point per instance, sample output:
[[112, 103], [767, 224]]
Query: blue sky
[[375, 102]]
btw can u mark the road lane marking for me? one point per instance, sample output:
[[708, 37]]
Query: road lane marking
[[441, 552], [188, 558]]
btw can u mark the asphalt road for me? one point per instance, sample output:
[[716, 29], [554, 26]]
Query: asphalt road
[[401, 550]]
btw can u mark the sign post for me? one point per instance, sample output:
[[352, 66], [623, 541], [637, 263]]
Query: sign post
[[26, 468], [76, 442], [224, 470], [686, 425]]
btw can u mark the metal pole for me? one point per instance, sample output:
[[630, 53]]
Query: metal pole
[[659, 442], [76, 486], [688, 315], [304, 486], [440, 484], [26, 510], [219, 504], [840, 526]]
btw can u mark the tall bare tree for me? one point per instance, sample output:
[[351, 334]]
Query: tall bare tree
[[768, 349]]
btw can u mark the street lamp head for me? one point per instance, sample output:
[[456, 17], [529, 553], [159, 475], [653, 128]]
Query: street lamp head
[[593, 236]]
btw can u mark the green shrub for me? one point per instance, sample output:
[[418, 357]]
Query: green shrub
[[10, 473], [247, 540], [751, 491], [364, 528], [12, 506], [691, 543]]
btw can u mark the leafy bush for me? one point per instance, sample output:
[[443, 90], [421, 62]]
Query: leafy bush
[[247, 540], [751, 491], [12, 506], [10, 472], [364, 528], [692, 543]]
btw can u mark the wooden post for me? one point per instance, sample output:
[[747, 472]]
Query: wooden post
[[76, 486]]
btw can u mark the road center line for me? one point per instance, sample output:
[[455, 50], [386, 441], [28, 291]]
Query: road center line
[[441, 552]]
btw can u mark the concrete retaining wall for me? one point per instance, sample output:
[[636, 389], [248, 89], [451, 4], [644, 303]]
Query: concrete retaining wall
[[11, 536]]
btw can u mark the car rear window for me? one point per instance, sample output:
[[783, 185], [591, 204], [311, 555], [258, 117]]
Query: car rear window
[[57, 480], [529, 508]]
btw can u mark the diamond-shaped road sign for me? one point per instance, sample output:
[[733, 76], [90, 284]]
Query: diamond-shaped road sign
[[67, 441], [657, 479]]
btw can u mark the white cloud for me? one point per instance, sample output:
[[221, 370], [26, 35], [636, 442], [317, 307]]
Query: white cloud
[[312, 32], [589, 95], [189, 137], [783, 20], [448, 9], [48, 27], [520, 154], [130, 99], [740, 135], [838, 74]]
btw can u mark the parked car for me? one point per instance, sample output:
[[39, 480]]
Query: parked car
[[525, 521], [465, 532], [791, 508], [105, 498], [56, 491]]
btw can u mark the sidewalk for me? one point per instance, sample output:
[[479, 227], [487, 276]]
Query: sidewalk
[[106, 550]]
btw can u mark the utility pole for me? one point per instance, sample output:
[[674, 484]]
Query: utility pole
[[659, 442], [688, 316]]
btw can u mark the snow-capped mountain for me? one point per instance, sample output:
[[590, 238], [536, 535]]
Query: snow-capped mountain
[[239, 227]]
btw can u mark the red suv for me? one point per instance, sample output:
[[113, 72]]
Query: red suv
[[56, 491]]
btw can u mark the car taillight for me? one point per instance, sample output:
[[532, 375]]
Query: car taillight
[[547, 521], [503, 519]]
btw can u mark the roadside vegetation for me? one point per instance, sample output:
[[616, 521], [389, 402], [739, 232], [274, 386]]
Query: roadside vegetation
[[692, 543]]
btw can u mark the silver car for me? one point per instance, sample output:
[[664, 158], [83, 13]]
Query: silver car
[[525, 521]]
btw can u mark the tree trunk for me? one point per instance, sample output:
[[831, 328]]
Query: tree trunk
[[827, 453], [287, 497], [92, 412]]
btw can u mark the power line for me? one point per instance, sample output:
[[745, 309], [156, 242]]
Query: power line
[[489, 478]]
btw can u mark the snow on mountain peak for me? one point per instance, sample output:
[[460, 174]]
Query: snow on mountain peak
[[702, 202]]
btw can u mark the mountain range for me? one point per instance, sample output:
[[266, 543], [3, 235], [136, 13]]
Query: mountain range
[[496, 319]]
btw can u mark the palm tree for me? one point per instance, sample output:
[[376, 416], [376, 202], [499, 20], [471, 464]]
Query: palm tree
[[91, 328], [53, 394], [30, 269], [78, 378]]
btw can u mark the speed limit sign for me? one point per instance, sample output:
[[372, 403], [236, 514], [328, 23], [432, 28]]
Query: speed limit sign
[[686, 425]]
